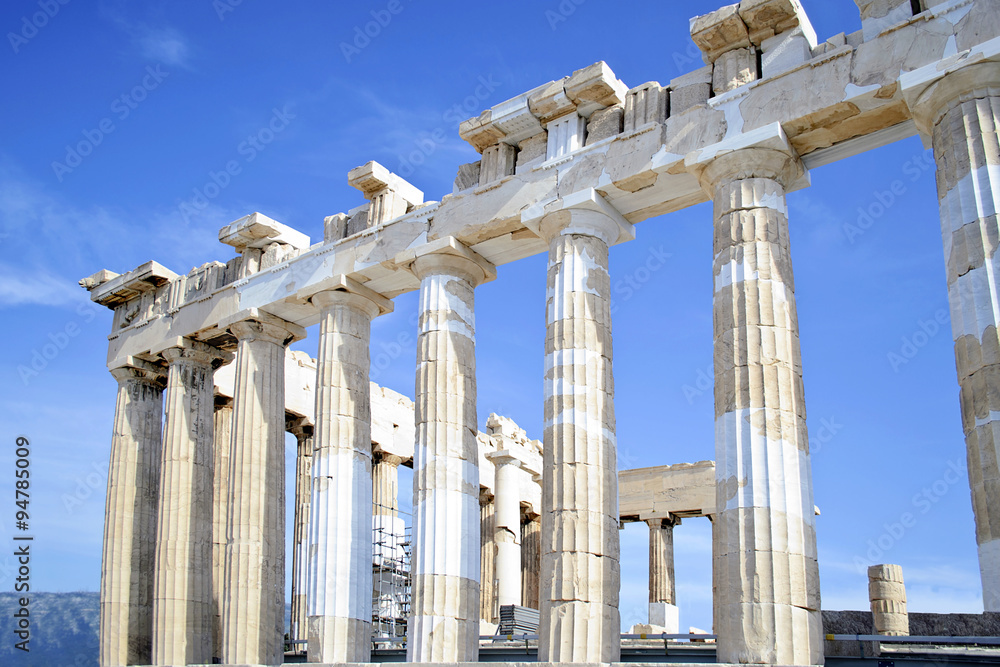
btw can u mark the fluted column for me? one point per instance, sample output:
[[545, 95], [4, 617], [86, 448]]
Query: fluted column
[[130, 512], [303, 432], [183, 610], [253, 615], [768, 579], [661, 561], [444, 626], [340, 532], [507, 528], [579, 618], [222, 437], [531, 542], [385, 484], [959, 110], [487, 570]]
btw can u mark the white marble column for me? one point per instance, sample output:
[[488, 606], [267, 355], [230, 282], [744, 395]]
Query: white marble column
[[959, 110], [579, 617], [385, 484], [488, 559], [303, 432], [507, 527], [340, 532], [531, 539], [768, 578], [444, 626], [183, 610], [222, 436], [253, 616], [126, 629]]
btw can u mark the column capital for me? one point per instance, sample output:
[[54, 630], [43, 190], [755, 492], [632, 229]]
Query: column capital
[[762, 153], [133, 368], [253, 324], [669, 521], [504, 457], [347, 291], [585, 212], [184, 349], [485, 496], [931, 90], [447, 255], [300, 427], [388, 459]]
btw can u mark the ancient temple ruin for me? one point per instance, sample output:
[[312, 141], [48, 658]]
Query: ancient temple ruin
[[194, 540]]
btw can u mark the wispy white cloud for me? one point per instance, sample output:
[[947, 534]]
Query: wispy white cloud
[[164, 45], [38, 288]]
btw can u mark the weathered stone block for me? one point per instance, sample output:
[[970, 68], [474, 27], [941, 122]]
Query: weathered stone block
[[604, 123], [645, 104], [468, 176], [733, 69]]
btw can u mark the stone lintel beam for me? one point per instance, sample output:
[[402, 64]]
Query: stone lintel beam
[[342, 283], [763, 152], [929, 90], [259, 231], [372, 179], [111, 290], [584, 200], [448, 246]]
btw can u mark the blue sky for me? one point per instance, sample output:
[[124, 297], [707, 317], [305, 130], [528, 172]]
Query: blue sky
[[117, 115]]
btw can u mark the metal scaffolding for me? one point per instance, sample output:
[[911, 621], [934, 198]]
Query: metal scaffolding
[[391, 548]]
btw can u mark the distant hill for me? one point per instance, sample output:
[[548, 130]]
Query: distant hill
[[63, 630]]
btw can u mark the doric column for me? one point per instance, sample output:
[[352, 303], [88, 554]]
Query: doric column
[[507, 527], [444, 626], [385, 484], [222, 437], [183, 610], [958, 109], [130, 517], [531, 542], [340, 532], [768, 579], [662, 592], [303, 432], [253, 615], [661, 560], [887, 595], [488, 570], [579, 618]]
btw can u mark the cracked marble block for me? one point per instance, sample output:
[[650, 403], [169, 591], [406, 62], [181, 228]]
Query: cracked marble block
[[253, 614], [444, 626], [339, 560], [579, 580], [959, 111], [767, 577], [126, 617], [183, 609]]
